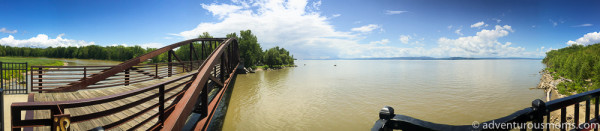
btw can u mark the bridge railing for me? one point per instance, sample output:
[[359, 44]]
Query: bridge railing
[[150, 94], [538, 115], [50, 78], [217, 69]]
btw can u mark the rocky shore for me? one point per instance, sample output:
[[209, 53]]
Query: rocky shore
[[548, 83]]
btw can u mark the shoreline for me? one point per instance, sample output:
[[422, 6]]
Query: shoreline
[[548, 83]]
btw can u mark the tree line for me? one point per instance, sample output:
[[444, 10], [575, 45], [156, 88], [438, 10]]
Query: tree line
[[250, 51], [579, 63]]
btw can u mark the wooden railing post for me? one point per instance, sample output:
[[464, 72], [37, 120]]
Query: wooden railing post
[[40, 80], [161, 106], [170, 69], [156, 71], [127, 77]]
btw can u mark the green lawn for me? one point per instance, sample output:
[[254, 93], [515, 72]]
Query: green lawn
[[31, 61]]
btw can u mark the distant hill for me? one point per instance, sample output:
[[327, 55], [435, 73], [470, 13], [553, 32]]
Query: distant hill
[[445, 58]]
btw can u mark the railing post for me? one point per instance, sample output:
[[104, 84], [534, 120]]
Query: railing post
[[26, 77], [1, 77], [156, 71], [84, 73], [59, 118], [191, 56], [40, 80], [2, 105], [539, 108], [161, 106], [385, 114], [127, 77], [170, 69]]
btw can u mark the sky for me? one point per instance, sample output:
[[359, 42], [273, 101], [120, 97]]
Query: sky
[[314, 29]]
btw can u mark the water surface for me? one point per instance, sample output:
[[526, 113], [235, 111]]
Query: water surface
[[319, 96]]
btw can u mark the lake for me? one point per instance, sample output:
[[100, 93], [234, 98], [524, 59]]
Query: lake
[[317, 95]]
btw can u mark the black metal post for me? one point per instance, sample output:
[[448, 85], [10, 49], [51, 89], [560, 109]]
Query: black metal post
[[127, 77], [170, 70], [2, 107], [161, 106], [1, 76], [40, 80], [26, 77], [539, 108]]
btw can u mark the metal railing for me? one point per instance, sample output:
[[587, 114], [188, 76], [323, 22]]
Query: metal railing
[[218, 69], [538, 114], [50, 78], [13, 77]]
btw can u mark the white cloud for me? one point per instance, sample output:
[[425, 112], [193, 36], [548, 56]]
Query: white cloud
[[394, 12], [221, 10], [497, 20], [382, 42], [587, 39], [366, 28], [336, 15], [404, 39], [4, 30], [554, 23], [42, 40], [477, 25], [458, 32], [483, 44], [298, 26], [583, 25], [449, 27]]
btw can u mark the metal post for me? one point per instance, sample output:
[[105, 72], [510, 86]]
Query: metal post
[[170, 69], [2, 106], [161, 106], [539, 108], [127, 77], [26, 76], [40, 80], [202, 53], [156, 71], [1, 77], [191, 56], [84, 73]]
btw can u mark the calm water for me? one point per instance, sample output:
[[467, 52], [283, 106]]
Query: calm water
[[319, 96]]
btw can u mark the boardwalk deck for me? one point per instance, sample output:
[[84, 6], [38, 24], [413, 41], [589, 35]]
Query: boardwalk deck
[[92, 93]]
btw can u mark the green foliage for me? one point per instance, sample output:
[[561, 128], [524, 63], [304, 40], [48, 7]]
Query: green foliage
[[277, 56], [118, 53], [250, 50], [578, 63], [30, 61]]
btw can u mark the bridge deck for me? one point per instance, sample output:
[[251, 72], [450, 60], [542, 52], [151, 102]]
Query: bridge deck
[[93, 93]]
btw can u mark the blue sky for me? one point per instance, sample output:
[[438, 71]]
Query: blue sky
[[314, 29]]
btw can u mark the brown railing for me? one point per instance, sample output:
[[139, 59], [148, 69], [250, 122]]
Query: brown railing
[[50, 78], [216, 71], [149, 95]]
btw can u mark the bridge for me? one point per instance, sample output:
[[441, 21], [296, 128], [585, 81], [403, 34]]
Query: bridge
[[135, 94]]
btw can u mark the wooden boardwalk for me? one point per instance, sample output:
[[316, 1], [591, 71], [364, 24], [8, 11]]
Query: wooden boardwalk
[[92, 93]]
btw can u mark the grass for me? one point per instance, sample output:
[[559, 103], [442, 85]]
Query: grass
[[30, 61]]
